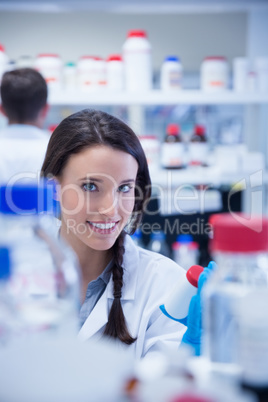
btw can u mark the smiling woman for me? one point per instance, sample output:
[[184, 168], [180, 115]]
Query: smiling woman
[[104, 185]]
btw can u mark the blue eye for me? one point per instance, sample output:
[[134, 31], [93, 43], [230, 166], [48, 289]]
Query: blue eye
[[125, 188], [89, 187]]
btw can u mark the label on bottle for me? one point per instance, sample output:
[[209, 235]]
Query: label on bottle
[[198, 153], [172, 155]]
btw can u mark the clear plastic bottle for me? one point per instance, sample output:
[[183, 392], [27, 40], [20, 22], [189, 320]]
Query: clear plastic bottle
[[171, 74], [239, 247], [45, 274], [172, 149], [158, 244], [185, 251]]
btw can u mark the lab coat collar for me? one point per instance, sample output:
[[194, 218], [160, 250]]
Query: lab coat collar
[[99, 315], [23, 131]]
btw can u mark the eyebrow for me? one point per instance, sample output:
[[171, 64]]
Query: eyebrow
[[94, 179]]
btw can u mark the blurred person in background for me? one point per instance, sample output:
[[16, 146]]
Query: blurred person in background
[[23, 142]]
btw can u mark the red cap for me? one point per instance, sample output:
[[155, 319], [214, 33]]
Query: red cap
[[114, 57], [138, 33], [239, 233], [193, 274], [173, 129], [52, 127], [2, 49], [199, 130], [191, 398], [48, 55]]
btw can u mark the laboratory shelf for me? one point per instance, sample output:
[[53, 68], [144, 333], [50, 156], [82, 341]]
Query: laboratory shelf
[[154, 97], [212, 177]]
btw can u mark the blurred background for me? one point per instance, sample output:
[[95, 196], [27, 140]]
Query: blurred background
[[235, 124]]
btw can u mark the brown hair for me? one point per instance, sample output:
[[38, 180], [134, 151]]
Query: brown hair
[[89, 128], [23, 94]]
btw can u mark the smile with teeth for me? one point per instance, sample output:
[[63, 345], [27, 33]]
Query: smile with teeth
[[103, 228], [103, 225]]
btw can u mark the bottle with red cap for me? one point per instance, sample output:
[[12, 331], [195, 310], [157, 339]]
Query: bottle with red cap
[[239, 246], [172, 150], [50, 66], [137, 62], [3, 61], [115, 72], [198, 147], [177, 304]]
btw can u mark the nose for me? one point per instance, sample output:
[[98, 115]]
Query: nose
[[109, 205]]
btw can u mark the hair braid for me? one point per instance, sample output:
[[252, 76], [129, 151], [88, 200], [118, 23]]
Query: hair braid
[[116, 326]]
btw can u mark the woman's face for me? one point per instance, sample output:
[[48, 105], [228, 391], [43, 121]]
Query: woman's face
[[97, 196]]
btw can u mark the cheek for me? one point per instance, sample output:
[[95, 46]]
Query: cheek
[[72, 200], [127, 205]]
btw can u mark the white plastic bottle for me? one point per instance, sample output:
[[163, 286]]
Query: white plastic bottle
[[214, 74], [115, 72], [241, 68], [45, 275], [261, 69], [137, 62], [177, 304], [3, 61], [69, 76], [50, 66], [171, 74]]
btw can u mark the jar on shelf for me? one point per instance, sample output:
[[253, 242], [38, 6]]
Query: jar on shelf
[[172, 149], [69, 76], [50, 66], [151, 146], [261, 68], [214, 74], [241, 67], [198, 147], [115, 72], [171, 74], [3, 61], [137, 61], [85, 72]]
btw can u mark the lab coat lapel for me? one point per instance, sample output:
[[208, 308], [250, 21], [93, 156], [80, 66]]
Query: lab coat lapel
[[99, 315], [96, 320]]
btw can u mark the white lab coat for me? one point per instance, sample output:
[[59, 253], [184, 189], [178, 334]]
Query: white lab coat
[[22, 152], [148, 280]]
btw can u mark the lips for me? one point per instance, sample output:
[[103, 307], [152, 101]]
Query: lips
[[102, 227]]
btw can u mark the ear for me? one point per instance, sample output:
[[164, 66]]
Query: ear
[[2, 110], [44, 111]]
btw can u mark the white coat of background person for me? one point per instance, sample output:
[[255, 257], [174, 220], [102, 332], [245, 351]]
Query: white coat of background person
[[23, 143]]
